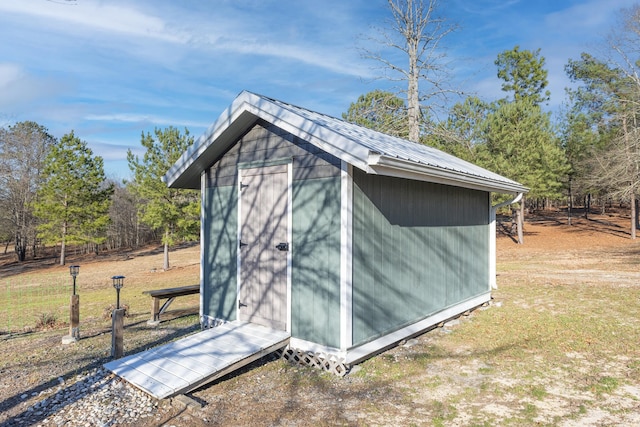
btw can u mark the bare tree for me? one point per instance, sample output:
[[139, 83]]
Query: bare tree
[[126, 229], [416, 32], [616, 167], [23, 149], [620, 161]]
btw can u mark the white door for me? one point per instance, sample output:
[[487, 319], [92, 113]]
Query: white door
[[263, 246]]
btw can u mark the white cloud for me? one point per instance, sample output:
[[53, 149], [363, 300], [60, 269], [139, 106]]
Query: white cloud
[[18, 88], [119, 19], [9, 74], [586, 19], [144, 118], [310, 55]]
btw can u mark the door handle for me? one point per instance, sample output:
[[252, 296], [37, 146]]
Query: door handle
[[282, 246], [240, 304], [243, 244]]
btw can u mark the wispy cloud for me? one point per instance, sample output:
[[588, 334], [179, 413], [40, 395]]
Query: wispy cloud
[[583, 18], [18, 88], [101, 16], [145, 118], [247, 33]]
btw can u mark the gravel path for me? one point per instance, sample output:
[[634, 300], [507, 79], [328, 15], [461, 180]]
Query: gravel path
[[97, 398]]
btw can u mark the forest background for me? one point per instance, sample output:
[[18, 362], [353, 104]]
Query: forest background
[[54, 192]]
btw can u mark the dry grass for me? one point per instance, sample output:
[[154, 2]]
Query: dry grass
[[558, 346], [41, 288]]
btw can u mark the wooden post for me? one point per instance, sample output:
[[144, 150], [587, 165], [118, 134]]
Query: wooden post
[[74, 327], [117, 333], [74, 321], [155, 308]]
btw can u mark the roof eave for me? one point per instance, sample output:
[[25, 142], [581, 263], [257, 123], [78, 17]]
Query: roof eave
[[390, 166], [185, 173], [236, 119]]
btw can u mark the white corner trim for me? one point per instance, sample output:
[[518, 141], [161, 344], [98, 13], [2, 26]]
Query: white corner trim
[[493, 284], [493, 271], [290, 240], [346, 255], [238, 237], [203, 198]]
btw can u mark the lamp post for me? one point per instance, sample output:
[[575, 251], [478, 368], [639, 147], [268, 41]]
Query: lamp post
[[74, 270], [74, 310], [117, 318], [118, 283]]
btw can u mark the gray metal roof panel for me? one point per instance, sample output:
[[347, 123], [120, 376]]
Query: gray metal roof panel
[[395, 147], [352, 143]]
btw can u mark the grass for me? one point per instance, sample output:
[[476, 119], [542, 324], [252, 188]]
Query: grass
[[554, 348], [25, 297], [548, 341], [605, 385]]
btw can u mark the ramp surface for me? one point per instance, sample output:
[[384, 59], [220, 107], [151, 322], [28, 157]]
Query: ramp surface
[[190, 362]]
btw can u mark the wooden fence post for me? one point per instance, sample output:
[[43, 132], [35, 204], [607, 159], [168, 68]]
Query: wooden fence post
[[117, 333], [74, 321], [74, 327]]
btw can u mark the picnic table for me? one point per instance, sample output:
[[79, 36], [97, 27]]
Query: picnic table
[[169, 294]]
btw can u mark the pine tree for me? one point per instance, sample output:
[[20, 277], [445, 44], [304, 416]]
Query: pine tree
[[381, 111], [521, 145], [73, 200], [175, 212]]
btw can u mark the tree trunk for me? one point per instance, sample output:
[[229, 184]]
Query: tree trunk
[[587, 206], [413, 99], [634, 213], [64, 243], [21, 249], [166, 250], [570, 207]]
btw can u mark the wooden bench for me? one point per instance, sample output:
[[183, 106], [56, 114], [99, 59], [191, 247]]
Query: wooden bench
[[169, 294]]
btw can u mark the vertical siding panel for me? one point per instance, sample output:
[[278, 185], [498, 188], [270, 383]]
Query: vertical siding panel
[[316, 261], [418, 249], [220, 246]]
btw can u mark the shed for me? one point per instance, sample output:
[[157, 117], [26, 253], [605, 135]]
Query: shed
[[348, 239]]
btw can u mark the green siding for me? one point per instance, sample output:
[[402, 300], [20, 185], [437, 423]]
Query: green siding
[[315, 248], [418, 248], [220, 245], [315, 294]]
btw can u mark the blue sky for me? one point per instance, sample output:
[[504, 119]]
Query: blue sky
[[110, 70]]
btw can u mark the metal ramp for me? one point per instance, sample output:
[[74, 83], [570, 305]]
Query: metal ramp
[[190, 362]]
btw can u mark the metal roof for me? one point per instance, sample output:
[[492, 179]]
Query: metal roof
[[371, 151]]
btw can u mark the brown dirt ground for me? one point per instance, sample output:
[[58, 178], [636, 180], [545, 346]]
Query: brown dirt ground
[[275, 393]]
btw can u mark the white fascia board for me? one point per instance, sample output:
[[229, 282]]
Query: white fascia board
[[204, 142], [399, 168], [304, 128]]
